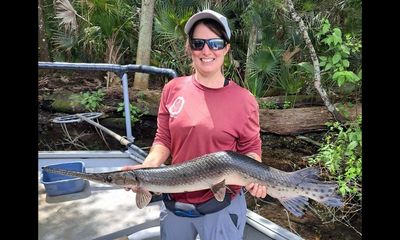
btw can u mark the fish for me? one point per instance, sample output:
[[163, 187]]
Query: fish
[[216, 171]]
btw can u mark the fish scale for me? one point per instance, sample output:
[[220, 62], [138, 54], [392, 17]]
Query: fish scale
[[216, 170]]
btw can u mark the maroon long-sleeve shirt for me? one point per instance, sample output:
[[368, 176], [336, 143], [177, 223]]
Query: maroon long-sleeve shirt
[[194, 120]]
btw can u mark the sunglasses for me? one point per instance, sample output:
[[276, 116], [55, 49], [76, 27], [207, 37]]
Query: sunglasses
[[213, 43]]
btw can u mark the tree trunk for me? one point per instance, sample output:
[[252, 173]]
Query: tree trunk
[[42, 41], [144, 45], [299, 120], [317, 76], [251, 47]]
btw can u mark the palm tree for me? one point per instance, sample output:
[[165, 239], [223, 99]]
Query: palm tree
[[144, 45], [42, 40]]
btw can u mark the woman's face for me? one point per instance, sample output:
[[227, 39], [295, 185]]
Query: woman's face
[[207, 61]]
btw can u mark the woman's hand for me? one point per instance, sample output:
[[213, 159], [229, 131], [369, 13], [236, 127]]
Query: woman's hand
[[257, 190]]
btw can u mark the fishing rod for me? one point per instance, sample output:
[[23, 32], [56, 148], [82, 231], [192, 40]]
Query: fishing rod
[[134, 150]]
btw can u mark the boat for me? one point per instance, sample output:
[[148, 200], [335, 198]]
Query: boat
[[104, 212]]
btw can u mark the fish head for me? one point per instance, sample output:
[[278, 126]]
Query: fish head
[[121, 178]]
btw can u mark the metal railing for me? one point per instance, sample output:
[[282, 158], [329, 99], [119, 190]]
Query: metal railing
[[121, 71]]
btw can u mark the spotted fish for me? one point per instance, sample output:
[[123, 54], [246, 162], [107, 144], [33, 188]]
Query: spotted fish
[[217, 170]]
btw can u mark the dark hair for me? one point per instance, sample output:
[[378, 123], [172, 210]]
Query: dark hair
[[213, 25]]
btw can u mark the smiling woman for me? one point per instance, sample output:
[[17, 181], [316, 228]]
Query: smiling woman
[[201, 114], [207, 44], [208, 58]]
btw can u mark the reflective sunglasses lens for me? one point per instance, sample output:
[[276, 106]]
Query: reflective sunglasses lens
[[216, 44], [197, 44]]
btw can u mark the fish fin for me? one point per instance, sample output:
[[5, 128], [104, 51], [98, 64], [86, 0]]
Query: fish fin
[[143, 198], [310, 172], [295, 205], [219, 190], [333, 201]]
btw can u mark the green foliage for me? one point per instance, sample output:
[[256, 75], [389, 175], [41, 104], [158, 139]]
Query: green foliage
[[169, 37], [352, 15], [291, 78], [308, 5], [287, 104], [95, 23], [263, 67], [257, 86], [264, 63], [276, 63], [336, 62], [336, 40], [268, 105], [134, 111], [344, 108], [273, 105], [341, 155], [92, 41], [63, 41], [92, 100]]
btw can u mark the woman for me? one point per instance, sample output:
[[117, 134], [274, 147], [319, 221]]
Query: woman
[[201, 114]]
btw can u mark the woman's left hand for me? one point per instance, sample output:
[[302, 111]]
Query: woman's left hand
[[257, 190]]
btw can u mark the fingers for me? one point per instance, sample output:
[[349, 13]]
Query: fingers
[[257, 190], [133, 167], [262, 191], [250, 186], [130, 167]]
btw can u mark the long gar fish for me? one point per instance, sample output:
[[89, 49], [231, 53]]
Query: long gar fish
[[216, 170]]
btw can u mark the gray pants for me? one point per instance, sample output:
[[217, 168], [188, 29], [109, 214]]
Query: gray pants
[[227, 224]]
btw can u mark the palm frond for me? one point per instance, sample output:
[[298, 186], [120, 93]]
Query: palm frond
[[63, 41], [263, 62], [113, 55], [169, 35], [92, 42], [66, 12]]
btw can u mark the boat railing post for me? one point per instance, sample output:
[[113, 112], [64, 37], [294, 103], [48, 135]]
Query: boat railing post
[[127, 108]]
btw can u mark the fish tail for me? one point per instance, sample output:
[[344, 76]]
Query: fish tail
[[323, 192], [307, 186]]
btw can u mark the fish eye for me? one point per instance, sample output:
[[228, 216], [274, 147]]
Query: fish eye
[[108, 179]]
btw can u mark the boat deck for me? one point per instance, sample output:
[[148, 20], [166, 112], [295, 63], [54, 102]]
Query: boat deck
[[105, 212]]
